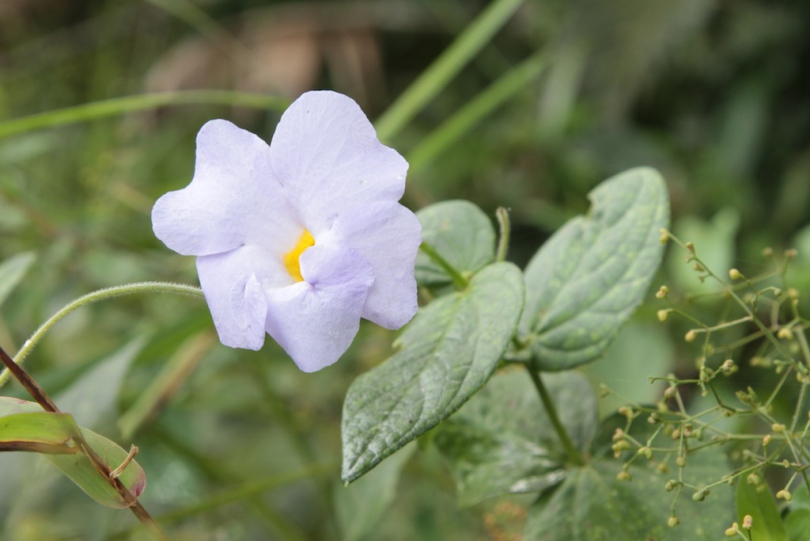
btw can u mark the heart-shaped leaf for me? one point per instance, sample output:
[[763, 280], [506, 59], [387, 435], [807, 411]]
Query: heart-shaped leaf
[[592, 504], [458, 231], [502, 441], [587, 280], [448, 353]]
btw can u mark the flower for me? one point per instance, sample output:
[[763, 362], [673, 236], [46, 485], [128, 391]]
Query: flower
[[299, 239]]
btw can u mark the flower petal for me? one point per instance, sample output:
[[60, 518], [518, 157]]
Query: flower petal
[[232, 198], [316, 320], [233, 286], [326, 154], [387, 235]]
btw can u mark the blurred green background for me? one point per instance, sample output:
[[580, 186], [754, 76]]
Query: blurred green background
[[716, 95]]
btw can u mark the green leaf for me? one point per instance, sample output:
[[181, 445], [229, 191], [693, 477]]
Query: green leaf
[[360, 505], [448, 353], [81, 471], [12, 271], [53, 435], [24, 426], [502, 441], [587, 280], [593, 505], [461, 233], [758, 502]]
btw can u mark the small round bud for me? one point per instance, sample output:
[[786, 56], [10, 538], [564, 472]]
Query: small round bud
[[671, 485], [766, 440], [680, 461], [690, 336], [653, 418], [793, 293], [663, 238], [700, 495], [784, 495], [673, 521], [753, 479], [618, 434], [785, 333], [690, 247], [731, 532], [627, 412], [748, 521], [791, 253], [670, 392], [662, 292], [734, 274], [624, 475], [767, 251], [662, 315], [778, 428], [698, 267], [728, 366]]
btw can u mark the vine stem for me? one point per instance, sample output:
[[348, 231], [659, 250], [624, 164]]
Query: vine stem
[[103, 469], [570, 449], [95, 296]]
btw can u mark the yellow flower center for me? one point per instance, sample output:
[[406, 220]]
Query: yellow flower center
[[291, 258]]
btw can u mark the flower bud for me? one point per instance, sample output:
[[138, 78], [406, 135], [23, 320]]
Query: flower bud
[[778, 428], [662, 315], [785, 333], [673, 521], [690, 336], [734, 274], [784, 495], [731, 532], [662, 292], [748, 521]]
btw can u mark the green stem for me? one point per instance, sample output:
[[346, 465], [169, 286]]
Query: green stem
[[545, 397], [444, 68], [100, 295], [117, 106], [505, 228], [459, 281]]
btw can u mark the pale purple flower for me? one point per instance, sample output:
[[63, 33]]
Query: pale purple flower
[[299, 239]]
